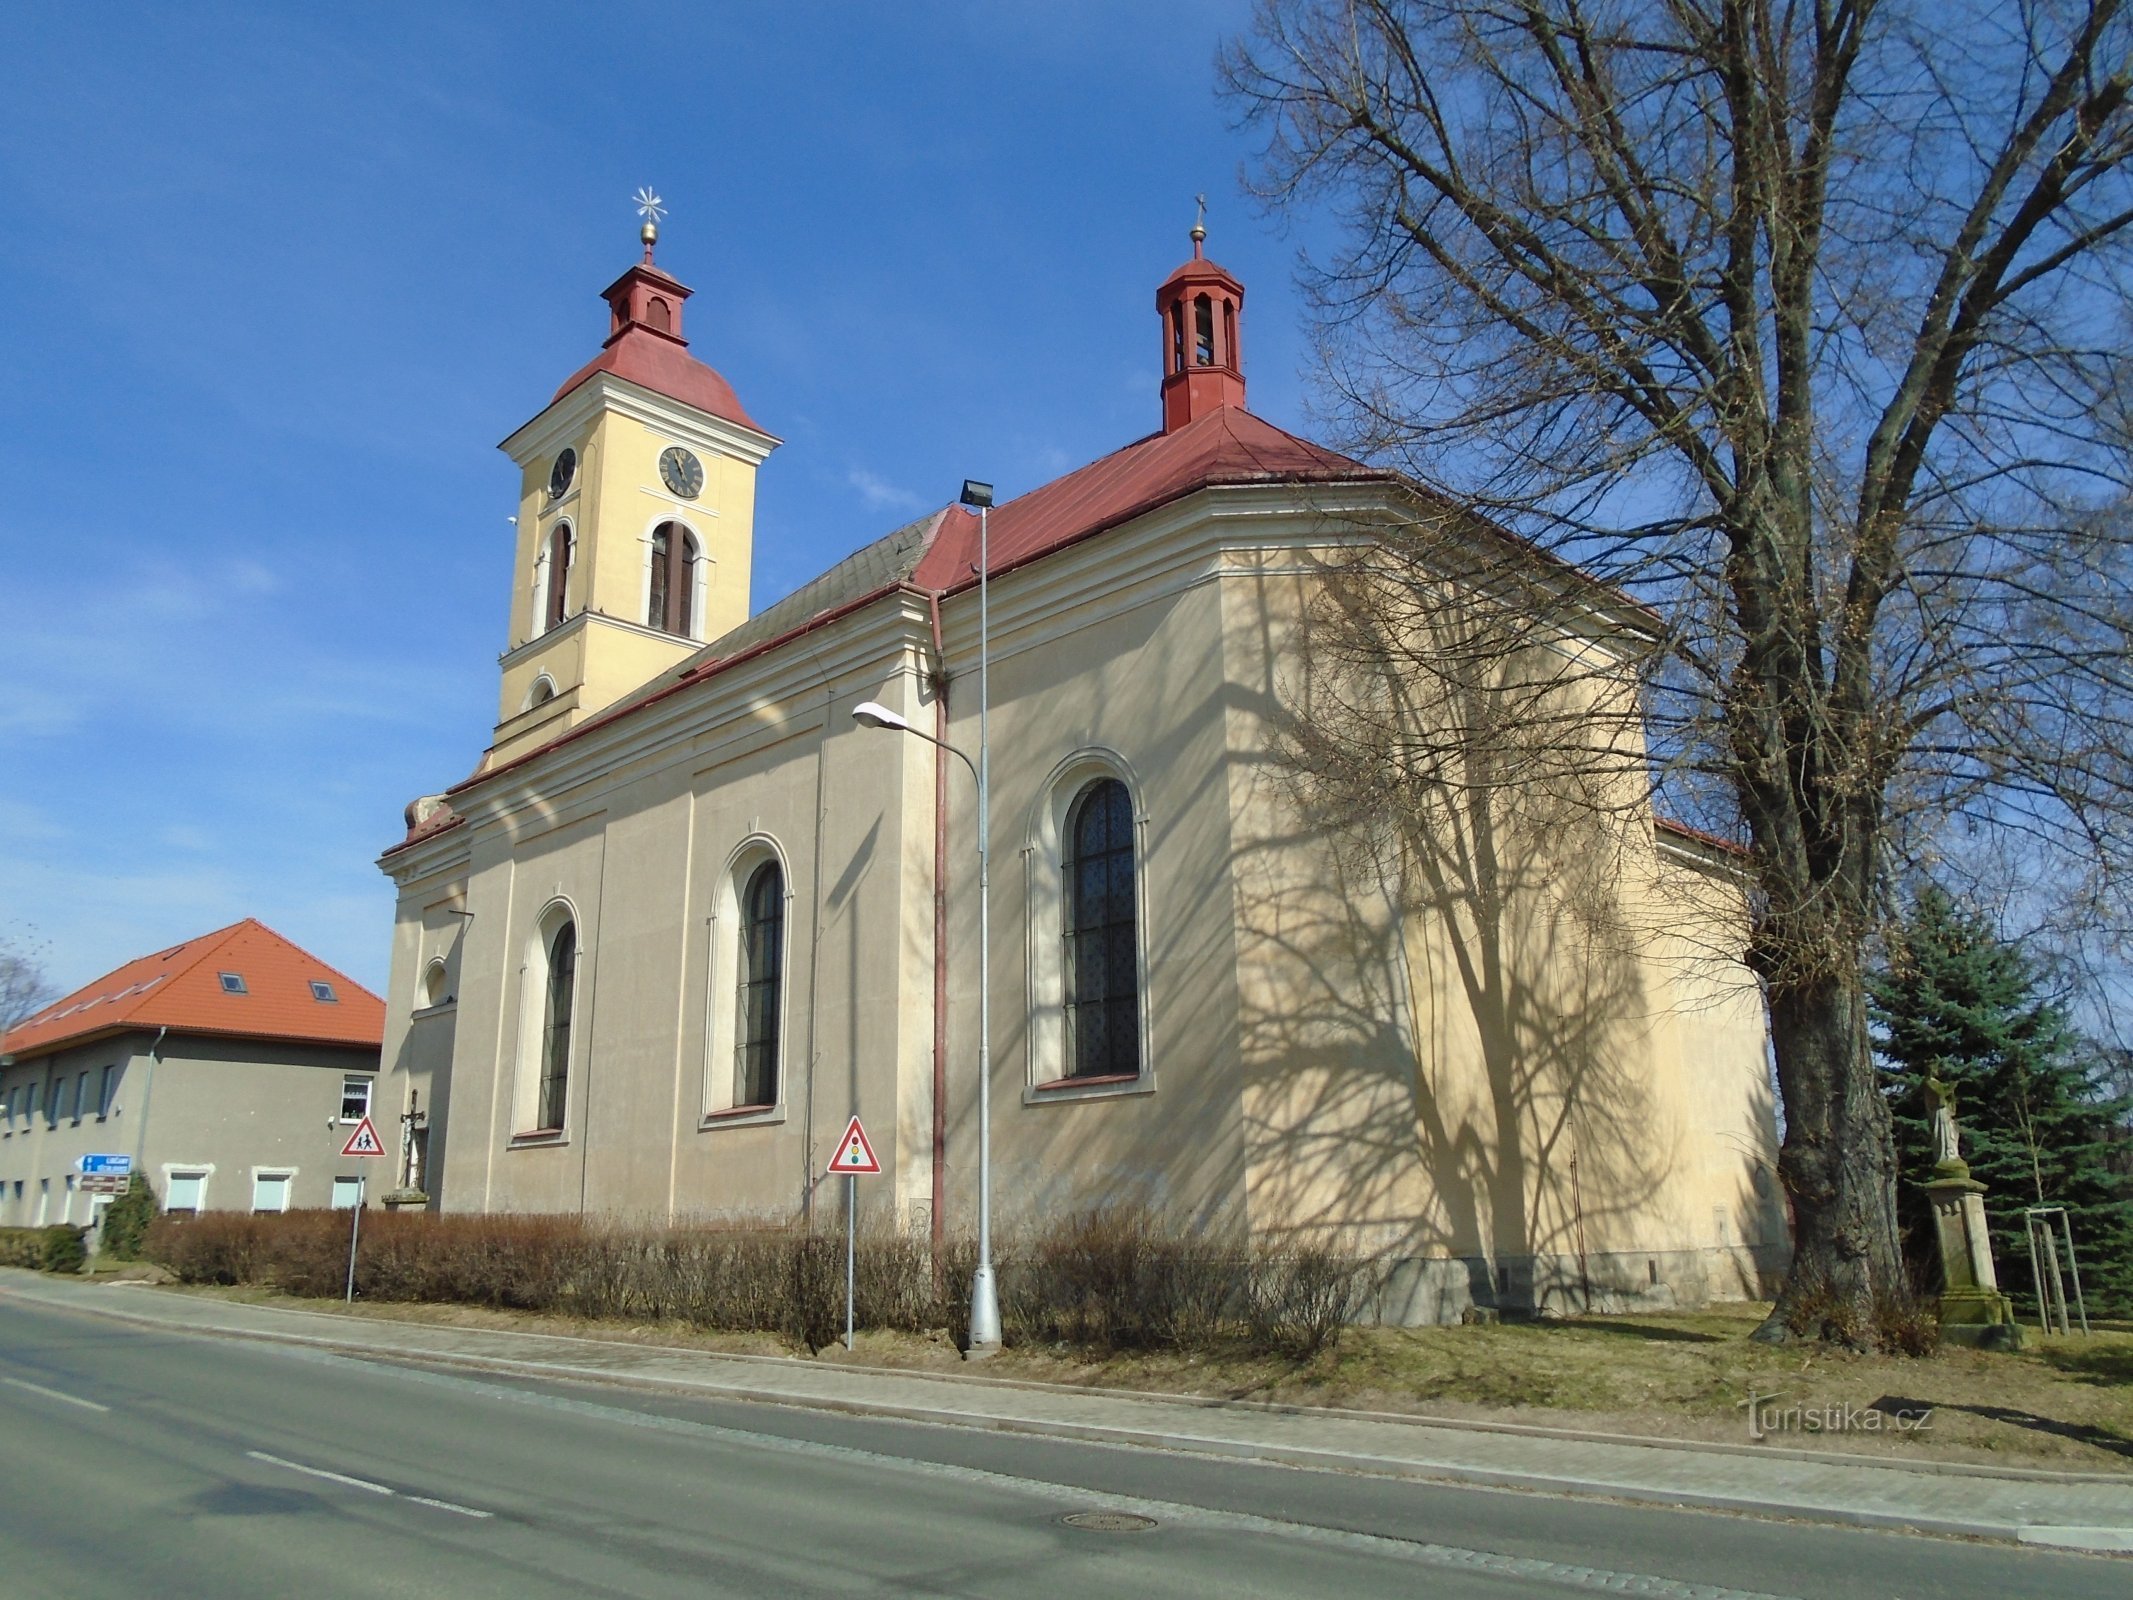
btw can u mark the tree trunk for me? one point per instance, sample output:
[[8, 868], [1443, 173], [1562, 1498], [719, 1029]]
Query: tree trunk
[[1838, 1164]]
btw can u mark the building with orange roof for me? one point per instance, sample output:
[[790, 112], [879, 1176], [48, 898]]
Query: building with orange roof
[[228, 1070], [687, 916]]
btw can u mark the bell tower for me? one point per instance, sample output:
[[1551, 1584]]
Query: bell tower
[[1202, 308], [636, 518]]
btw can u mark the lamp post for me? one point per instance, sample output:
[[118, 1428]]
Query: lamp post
[[984, 1291]]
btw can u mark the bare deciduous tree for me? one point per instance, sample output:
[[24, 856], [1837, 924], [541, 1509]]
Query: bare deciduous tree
[[24, 989], [1802, 324]]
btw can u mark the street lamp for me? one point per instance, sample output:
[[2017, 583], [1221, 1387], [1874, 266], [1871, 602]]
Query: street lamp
[[984, 1290]]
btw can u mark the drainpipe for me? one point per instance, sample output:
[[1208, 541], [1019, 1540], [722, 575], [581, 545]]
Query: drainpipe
[[940, 935], [148, 1090]]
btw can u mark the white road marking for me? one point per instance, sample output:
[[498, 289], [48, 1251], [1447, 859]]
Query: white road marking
[[364, 1483], [54, 1394], [320, 1472]]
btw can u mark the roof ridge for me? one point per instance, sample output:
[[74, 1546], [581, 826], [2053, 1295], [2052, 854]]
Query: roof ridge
[[305, 952]]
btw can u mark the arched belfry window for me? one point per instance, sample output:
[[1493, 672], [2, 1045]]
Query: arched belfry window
[[658, 315], [562, 982], [558, 573], [1102, 938], [1177, 336], [670, 604], [1203, 331], [760, 1007]]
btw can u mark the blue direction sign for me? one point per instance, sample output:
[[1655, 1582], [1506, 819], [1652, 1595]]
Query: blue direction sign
[[106, 1166]]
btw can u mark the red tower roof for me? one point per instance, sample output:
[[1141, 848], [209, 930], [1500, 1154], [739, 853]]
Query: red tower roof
[[1202, 307], [645, 346]]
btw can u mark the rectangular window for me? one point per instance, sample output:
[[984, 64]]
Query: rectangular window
[[270, 1191], [81, 1095], [345, 1191], [106, 1092], [233, 983], [321, 990], [355, 1098], [186, 1190], [53, 1088]]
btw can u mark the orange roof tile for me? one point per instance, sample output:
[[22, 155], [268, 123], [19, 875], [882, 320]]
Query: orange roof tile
[[181, 989]]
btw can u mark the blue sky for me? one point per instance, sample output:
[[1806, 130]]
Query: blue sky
[[278, 278]]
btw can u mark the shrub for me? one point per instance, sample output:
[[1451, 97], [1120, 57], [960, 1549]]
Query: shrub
[[65, 1249], [58, 1248], [126, 1221], [1120, 1278]]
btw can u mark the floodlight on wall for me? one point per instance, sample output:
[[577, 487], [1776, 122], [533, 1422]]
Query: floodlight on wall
[[977, 494]]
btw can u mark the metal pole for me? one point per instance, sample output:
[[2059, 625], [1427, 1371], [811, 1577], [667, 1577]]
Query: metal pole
[[2036, 1270], [355, 1227], [984, 1295], [851, 1250]]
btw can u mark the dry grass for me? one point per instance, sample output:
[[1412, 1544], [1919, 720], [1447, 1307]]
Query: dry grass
[[2064, 1404]]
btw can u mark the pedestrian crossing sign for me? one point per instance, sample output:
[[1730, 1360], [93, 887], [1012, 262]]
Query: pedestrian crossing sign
[[854, 1153], [364, 1141]]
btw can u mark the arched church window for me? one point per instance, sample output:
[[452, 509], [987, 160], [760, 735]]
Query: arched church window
[[760, 1010], [671, 601], [1203, 331], [555, 1031], [558, 573], [1229, 334], [1102, 939]]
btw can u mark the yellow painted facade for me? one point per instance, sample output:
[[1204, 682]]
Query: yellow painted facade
[[606, 643]]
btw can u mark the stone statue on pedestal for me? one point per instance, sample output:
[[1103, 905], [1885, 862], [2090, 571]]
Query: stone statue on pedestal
[[1972, 1309]]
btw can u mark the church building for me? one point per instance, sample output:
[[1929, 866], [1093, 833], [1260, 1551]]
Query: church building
[[688, 915]]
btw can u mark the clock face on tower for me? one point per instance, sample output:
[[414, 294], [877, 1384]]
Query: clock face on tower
[[681, 472], [559, 475]]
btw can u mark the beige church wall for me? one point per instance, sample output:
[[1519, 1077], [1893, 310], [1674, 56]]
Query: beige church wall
[[419, 1034], [1098, 673], [650, 853], [1461, 1059]]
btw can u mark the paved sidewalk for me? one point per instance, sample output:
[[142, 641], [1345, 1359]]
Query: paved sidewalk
[[2072, 1510]]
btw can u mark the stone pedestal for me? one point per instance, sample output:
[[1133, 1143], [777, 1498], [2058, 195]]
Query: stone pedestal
[[405, 1199], [1972, 1309]]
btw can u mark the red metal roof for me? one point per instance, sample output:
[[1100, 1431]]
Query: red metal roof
[[181, 989], [663, 365], [1227, 446]]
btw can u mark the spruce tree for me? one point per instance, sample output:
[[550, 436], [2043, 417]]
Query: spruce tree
[[2038, 1122]]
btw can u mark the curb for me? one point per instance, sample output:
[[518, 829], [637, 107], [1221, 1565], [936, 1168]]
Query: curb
[[2088, 1540]]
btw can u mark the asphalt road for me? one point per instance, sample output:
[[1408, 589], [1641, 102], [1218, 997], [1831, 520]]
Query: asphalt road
[[145, 1464]]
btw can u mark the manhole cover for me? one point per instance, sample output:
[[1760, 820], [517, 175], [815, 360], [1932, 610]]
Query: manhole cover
[[1108, 1521]]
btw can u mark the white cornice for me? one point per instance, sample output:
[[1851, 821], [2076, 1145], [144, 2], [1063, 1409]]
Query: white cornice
[[568, 419]]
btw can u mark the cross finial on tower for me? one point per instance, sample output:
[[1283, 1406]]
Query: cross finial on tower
[[649, 208], [1199, 226]]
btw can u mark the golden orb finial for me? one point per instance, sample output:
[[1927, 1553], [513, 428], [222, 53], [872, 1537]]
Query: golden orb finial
[[649, 208]]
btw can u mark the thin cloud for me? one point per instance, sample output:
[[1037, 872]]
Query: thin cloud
[[881, 495]]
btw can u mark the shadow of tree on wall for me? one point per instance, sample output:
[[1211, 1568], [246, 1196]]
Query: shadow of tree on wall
[[1445, 884]]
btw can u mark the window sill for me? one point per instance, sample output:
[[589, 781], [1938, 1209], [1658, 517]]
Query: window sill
[[1115, 1086], [740, 1117], [439, 1008], [537, 1138]]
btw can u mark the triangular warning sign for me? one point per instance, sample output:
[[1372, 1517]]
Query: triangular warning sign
[[364, 1141], [854, 1154]]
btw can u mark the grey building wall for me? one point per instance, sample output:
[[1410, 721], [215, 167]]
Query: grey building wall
[[229, 1110]]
